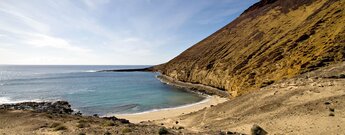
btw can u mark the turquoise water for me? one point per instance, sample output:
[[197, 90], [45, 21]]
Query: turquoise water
[[91, 92]]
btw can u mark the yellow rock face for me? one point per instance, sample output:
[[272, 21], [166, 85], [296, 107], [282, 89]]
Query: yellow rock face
[[272, 40]]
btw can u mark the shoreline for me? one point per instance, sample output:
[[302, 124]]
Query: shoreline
[[162, 109], [196, 88], [213, 96], [171, 112]]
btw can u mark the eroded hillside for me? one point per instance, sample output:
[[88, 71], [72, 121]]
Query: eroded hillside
[[311, 103], [270, 41]]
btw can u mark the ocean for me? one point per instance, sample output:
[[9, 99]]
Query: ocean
[[91, 92]]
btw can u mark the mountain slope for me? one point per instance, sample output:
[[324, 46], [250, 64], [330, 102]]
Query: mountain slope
[[311, 103], [270, 41]]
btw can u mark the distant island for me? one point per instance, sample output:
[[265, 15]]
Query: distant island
[[149, 69]]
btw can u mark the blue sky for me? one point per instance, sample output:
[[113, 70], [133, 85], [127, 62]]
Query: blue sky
[[108, 32]]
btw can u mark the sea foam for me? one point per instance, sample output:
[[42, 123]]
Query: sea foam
[[7, 100]]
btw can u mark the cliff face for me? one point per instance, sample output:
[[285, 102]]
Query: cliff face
[[270, 41]]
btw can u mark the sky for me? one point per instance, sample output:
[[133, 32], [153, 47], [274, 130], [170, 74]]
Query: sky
[[108, 32]]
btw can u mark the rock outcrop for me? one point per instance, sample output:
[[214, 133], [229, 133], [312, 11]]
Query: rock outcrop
[[197, 88], [58, 107], [149, 69], [270, 41]]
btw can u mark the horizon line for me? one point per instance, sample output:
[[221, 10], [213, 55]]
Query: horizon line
[[73, 65]]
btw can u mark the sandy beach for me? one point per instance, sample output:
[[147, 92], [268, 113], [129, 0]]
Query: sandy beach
[[173, 112]]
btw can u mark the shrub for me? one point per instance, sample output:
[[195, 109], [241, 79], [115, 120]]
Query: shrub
[[82, 125], [331, 114], [60, 127], [82, 121], [124, 121], [54, 125], [126, 130], [331, 109], [109, 123], [342, 76], [107, 133], [266, 83], [49, 116], [163, 131]]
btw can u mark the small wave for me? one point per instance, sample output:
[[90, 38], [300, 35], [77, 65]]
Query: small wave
[[90, 71], [7, 100], [126, 107], [81, 71], [171, 108]]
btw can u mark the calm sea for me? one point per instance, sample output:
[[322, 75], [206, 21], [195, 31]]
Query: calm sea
[[91, 92]]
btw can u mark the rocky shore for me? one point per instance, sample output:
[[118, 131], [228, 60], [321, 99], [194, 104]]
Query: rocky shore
[[58, 107], [198, 88], [58, 118], [29, 118]]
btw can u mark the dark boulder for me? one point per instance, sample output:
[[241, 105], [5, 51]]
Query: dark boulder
[[257, 130], [113, 118]]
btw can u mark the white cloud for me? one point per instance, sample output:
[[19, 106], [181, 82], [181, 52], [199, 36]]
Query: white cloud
[[2, 50], [2, 35], [38, 34], [29, 22], [102, 31], [39, 40]]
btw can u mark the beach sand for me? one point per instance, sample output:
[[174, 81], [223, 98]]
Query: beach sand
[[172, 112]]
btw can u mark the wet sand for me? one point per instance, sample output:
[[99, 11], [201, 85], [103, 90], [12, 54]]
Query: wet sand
[[172, 112]]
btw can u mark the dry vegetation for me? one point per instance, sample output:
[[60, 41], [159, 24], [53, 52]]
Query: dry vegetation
[[28, 123], [272, 40]]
